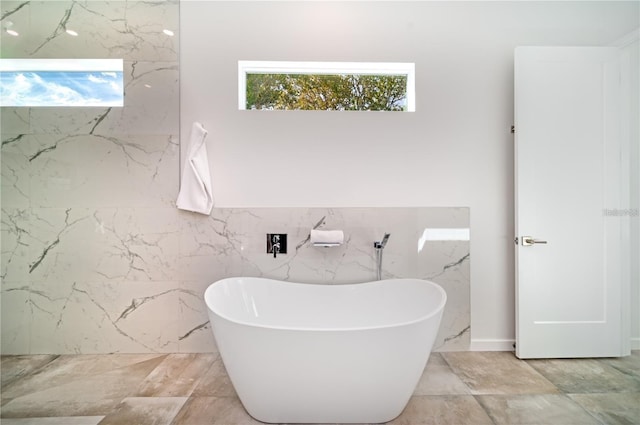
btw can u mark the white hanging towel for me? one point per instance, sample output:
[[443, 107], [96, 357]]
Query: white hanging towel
[[195, 188]]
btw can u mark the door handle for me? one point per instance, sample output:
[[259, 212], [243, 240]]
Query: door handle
[[528, 241]]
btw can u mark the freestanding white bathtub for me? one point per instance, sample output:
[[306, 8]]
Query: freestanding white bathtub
[[307, 353]]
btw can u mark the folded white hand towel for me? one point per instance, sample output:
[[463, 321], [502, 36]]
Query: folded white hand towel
[[195, 186], [327, 237]]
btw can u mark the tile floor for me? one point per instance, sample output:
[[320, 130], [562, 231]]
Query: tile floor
[[179, 389]]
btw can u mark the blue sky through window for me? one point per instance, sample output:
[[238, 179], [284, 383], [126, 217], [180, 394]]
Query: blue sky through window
[[56, 82]]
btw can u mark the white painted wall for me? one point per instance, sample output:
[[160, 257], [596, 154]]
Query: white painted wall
[[455, 150], [635, 193]]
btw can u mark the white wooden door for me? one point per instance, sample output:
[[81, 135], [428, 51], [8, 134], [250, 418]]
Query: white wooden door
[[569, 291]]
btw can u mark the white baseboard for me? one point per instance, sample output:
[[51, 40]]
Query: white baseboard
[[492, 345], [507, 344]]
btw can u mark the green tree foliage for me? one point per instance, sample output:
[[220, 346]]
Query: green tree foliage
[[326, 92]]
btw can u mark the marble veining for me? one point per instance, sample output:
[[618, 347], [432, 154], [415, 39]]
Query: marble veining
[[95, 258], [123, 265], [13, 9], [50, 245], [60, 29], [131, 29]]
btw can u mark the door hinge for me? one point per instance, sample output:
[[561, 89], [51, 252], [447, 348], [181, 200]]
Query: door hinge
[[513, 129]]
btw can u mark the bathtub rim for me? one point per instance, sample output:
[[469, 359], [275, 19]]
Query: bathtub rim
[[434, 312]]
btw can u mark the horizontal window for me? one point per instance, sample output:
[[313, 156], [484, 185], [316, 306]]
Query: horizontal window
[[61, 82], [340, 86]]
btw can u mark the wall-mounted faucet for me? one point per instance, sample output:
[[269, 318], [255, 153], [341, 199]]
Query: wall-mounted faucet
[[276, 243], [379, 246], [275, 247], [383, 243]]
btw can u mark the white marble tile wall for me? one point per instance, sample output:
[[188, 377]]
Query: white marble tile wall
[[94, 280], [96, 258]]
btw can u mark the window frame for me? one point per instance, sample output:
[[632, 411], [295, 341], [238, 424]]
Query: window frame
[[326, 68]]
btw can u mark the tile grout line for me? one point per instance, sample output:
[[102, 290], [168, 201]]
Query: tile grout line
[[487, 411], [567, 395]]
